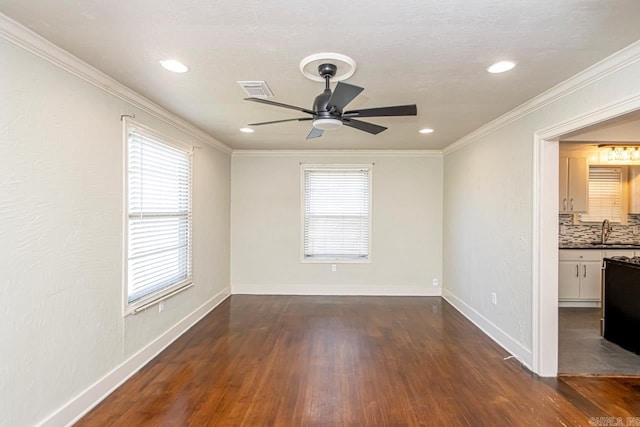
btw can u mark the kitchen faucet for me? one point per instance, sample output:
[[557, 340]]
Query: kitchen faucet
[[606, 231]]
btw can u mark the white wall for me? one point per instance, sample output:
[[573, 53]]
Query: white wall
[[625, 131], [61, 204], [406, 230], [487, 234], [489, 203]]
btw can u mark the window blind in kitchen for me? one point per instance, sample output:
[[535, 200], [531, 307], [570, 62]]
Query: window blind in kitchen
[[605, 195], [159, 231], [336, 210]]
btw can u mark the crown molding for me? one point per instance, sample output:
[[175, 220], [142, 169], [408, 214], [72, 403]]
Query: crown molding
[[26, 39], [598, 71], [337, 153]]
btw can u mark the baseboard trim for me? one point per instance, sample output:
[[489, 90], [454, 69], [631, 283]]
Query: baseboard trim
[[495, 333], [335, 289], [77, 407]]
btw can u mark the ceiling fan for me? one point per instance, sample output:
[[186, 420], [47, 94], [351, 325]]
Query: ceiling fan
[[328, 114]]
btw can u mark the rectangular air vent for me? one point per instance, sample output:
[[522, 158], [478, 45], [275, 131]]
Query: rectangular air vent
[[256, 89]]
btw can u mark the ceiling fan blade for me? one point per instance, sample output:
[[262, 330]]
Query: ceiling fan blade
[[343, 94], [278, 104], [367, 127], [302, 119], [398, 110], [315, 133]]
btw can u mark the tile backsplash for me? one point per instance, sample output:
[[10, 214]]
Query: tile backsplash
[[591, 233]]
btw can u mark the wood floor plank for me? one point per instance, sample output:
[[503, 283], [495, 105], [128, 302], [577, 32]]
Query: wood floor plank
[[349, 361]]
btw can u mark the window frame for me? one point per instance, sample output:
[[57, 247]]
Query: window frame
[[164, 293], [306, 260]]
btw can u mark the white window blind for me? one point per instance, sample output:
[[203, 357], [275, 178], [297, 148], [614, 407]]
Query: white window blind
[[605, 195], [159, 217], [336, 213]]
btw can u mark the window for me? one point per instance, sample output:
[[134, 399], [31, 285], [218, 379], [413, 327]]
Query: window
[[336, 210], [605, 195], [158, 230]]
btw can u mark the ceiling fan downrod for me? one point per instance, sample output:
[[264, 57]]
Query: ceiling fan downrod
[[327, 71]]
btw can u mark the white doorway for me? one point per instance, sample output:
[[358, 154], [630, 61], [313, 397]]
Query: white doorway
[[545, 229]]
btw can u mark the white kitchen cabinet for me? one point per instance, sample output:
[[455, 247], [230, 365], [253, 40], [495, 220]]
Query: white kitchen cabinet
[[579, 275], [590, 280], [634, 189], [574, 184], [568, 280]]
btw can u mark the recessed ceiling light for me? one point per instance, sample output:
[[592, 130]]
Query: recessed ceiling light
[[246, 130], [175, 66], [426, 130], [501, 67]]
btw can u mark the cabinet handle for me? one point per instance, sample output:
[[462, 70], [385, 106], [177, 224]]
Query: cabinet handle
[[584, 271], [577, 270], [571, 204], [564, 204]]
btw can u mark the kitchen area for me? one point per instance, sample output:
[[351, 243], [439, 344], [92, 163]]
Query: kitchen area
[[599, 219]]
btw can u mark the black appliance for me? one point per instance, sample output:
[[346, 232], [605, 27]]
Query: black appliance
[[621, 302]]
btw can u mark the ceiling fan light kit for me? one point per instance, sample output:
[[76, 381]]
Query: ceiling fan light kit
[[327, 111], [327, 124]]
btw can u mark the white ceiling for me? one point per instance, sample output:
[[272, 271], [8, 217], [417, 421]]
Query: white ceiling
[[429, 52]]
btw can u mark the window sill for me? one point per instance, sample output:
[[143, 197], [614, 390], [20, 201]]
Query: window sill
[[145, 303], [335, 261]]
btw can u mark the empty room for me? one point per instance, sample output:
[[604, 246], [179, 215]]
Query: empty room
[[281, 213]]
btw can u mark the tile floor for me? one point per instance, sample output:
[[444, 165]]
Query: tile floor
[[581, 349]]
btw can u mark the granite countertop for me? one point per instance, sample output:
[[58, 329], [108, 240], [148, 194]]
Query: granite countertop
[[600, 246]]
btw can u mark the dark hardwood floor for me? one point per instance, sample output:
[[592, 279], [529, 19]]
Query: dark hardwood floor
[[350, 361]]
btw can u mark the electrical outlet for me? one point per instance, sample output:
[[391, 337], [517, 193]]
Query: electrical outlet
[[435, 281], [334, 267], [494, 298], [634, 230], [563, 229], [160, 306]]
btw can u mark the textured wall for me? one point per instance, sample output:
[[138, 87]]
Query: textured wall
[[61, 201], [406, 234], [487, 231], [488, 207]]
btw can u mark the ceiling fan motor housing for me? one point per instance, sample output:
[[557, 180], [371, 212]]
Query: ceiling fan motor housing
[[320, 106]]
